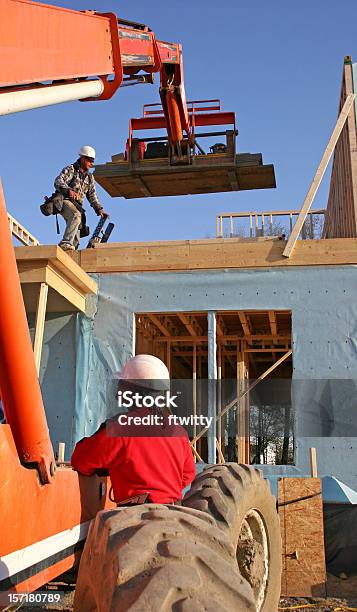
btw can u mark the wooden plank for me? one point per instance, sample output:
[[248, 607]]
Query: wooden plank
[[215, 254], [301, 513], [40, 256], [40, 324], [65, 289], [313, 462], [319, 175], [273, 323], [245, 323], [184, 319], [159, 325], [120, 181], [142, 186]]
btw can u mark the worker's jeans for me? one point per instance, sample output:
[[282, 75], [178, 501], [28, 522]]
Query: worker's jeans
[[73, 220]]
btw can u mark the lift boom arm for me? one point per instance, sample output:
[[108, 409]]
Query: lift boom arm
[[50, 54]]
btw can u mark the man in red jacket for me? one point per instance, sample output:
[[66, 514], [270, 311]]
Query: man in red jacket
[[145, 454]]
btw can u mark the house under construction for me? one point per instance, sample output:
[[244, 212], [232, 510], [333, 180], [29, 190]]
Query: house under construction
[[256, 310]]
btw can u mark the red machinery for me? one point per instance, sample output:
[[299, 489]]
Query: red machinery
[[44, 60]]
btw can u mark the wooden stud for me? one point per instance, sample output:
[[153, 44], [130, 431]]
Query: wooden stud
[[168, 353], [319, 175], [197, 456], [313, 462], [40, 324], [60, 452], [221, 458]]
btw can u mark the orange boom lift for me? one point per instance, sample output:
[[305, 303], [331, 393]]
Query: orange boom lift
[[46, 508]]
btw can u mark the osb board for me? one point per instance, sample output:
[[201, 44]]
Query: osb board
[[119, 181], [303, 550], [341, 216], [214, 254]]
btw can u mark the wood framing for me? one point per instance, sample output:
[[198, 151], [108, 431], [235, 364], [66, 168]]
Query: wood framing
[[213, 254], [40, 324], [341, 213], [245, 392], [345, 111], [183, 341], [68, 284]]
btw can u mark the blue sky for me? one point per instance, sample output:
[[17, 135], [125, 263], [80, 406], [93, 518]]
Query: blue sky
[[277, 64]]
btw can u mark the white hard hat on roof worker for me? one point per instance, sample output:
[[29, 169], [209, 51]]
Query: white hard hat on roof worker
[[146, 371], [87, 151]]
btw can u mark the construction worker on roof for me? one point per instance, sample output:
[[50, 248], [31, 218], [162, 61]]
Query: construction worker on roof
[[146, 463], [75, 182]]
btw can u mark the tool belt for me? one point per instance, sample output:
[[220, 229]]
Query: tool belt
[[53, 206], [143, 498]]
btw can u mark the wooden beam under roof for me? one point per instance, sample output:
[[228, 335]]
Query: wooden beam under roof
[[245, 323], [219, 326], [159, 325], [185, 320], [227, 338], [273, 322]]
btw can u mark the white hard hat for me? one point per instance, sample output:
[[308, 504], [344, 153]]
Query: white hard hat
[[146, 368], [87, 151]]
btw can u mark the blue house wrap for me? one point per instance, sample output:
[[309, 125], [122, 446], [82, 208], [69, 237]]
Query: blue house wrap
[[82, 352]]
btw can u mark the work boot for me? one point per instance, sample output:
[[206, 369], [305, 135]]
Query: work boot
[[67, 247]]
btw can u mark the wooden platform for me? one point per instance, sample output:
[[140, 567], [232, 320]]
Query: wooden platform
[[68, 284], [208, 174], [213, 254]]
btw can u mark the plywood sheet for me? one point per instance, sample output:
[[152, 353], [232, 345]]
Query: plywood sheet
[[301, 516]]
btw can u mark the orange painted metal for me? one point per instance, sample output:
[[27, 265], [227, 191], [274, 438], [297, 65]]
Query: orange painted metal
[[19, 387], [47, 43], [174, 118], [31, 512]]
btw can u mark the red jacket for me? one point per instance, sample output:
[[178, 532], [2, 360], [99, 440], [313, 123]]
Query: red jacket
[[160, 466]]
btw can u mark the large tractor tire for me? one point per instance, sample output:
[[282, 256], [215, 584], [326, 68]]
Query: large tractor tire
[[240, 501], [153, 558]]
